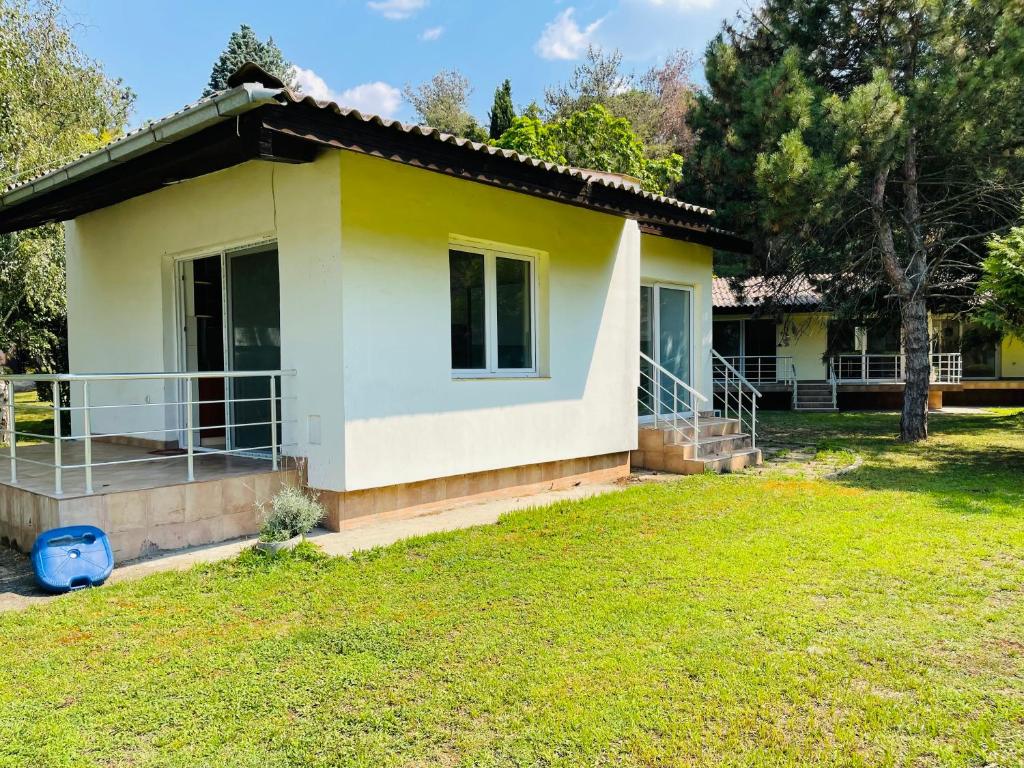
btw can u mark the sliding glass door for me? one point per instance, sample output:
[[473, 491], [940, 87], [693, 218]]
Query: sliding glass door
[[232, 322], [666, 335], [254, 342]]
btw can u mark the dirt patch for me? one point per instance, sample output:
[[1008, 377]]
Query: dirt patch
[[806, 462]]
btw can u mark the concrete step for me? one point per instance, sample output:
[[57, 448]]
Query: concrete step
[[721, 447], [748, 457], [653, 438]]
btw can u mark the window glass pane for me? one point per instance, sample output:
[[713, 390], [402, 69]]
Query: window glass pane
[[469, 332], [979, 351], [515, 335]]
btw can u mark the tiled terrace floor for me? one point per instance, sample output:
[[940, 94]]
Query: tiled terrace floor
[[139, 475]]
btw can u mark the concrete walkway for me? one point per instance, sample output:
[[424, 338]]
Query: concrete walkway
[[18, 588]]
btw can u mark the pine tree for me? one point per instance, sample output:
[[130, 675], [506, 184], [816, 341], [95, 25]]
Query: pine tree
[[502, 112], [243, 46], [872, 139]]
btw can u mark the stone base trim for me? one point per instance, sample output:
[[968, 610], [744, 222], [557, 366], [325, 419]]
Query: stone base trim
[[346, 509], [145, 521]]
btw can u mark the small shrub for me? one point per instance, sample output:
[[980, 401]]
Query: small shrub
[[292, 511]]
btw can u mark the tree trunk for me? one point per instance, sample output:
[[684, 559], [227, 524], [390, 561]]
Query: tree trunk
[[914, 418]]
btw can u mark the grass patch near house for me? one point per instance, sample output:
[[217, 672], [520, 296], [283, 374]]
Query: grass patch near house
[[720, 620], [31, 418]]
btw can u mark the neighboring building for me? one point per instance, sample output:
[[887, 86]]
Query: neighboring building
[[277, 288], [776, 332]]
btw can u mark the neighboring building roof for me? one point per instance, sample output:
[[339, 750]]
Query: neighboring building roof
[[256, 118], [761, 292]]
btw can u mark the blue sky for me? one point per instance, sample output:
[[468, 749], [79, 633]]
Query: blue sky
[[362, 52]]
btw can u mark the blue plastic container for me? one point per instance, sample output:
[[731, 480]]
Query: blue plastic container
[[74, 557]]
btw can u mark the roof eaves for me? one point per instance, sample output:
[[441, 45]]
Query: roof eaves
[[188, 120]]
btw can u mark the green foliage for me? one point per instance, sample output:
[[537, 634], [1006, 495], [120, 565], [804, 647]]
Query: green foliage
[[655, 103], [243, 47], [809, 101], [293, 511], [55, 103], [442, 103], [1001, 288], [724, 620], [503, 112], [595, 139]]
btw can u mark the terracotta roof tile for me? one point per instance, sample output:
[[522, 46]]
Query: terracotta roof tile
[[755, 292]]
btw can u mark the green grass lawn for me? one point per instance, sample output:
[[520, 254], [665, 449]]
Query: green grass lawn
[[877, 619], [32, 418]]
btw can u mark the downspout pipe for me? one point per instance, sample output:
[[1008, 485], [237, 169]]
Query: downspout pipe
[[216, 109]]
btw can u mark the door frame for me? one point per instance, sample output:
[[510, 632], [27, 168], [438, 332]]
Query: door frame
[[181, 339], [656, 286]]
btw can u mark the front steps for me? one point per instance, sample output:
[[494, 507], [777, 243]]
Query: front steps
[[814, 396], [721, 447]]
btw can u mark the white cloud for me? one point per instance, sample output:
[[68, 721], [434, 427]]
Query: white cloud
[[396, 9], [378, 98], [431, 33], [684, 5], [311, 84], [563, 38]]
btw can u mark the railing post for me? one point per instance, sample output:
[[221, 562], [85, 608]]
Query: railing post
[[87, 430], [273, 421], [753, 421], [58, 480], [12, 432], [189, 437]]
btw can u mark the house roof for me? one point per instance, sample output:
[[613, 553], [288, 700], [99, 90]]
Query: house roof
[[760, 292], [257, 118]]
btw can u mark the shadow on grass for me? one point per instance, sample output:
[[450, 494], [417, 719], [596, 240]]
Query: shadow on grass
[[971, 463]]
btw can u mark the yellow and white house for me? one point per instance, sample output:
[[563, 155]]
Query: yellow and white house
[[264, 289], [783, 340]]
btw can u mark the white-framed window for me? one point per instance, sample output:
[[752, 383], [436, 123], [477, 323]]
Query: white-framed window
[[493, 312]]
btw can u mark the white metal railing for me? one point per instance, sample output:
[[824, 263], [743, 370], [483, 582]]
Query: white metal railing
[[669, 400], [763, 369], [185, 404], [834, 384], [946, 368], [736, 395]]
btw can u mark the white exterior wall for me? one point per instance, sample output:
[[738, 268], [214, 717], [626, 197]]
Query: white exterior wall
[[122, 296], [407, 418]]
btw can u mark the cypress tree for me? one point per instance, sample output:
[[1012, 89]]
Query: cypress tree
[[243, 46], [502, 112]]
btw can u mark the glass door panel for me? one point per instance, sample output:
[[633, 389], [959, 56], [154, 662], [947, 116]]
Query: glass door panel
[[645, 397], [674, 346], [254, 342]]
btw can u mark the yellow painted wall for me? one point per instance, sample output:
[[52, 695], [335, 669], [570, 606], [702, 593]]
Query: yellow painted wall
[[1011, 355], [407, 417], [663, 260], [808, 339]]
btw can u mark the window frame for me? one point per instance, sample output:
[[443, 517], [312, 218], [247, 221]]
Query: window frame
[[491, 369]]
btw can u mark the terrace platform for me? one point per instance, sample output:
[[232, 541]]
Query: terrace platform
[[144, 506]]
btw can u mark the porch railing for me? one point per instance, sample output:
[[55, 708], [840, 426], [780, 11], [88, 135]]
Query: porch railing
[[669, 400], [946, 368], [736, 396], [179, 418], [763, 369]]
